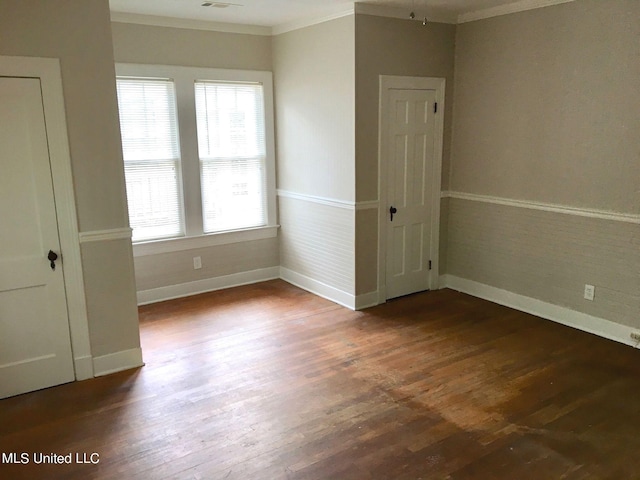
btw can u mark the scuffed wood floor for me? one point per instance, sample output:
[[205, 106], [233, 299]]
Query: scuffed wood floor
[[269, 382]]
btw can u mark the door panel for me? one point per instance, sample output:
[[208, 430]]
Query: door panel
[[410, 162], [35, 346]]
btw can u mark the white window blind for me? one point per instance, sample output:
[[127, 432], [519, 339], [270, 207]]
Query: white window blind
[[150, 145], [231, 144]]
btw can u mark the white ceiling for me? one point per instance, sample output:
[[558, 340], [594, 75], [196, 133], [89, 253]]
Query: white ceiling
[[273, 13]]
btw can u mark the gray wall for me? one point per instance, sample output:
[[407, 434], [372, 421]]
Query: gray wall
[[196, 48], [78, 33], [546, 111], [388, 46]]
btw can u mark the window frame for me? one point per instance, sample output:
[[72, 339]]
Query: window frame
[[184, 79]]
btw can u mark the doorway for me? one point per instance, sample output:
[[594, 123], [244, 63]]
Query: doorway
[[410, 164]]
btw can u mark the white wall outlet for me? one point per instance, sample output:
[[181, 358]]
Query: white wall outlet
[[589, 292], [197, 263]]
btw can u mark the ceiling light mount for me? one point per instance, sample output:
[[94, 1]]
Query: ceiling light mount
[[220, 4]]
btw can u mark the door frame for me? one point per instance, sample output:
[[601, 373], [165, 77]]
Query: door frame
[[47, 70], [393, 82]]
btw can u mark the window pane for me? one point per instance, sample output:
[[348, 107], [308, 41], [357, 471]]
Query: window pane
[[152, 193], [149, 128], [230, 120]]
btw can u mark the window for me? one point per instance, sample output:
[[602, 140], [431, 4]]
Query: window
[[230, 121], [151, 157], [198, 153]]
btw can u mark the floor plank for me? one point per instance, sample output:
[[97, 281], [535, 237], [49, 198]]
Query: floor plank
[[269, 382]]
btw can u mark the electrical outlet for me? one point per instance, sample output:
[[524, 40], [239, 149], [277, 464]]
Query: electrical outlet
[[589, 292], [635, 336], [197, 263]]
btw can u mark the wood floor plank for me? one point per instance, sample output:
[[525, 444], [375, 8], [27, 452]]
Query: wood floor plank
[[270, 382]]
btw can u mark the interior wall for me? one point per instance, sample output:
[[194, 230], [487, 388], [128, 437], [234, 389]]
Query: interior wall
[[79, 34], [314, 70], [135, 43], [390, 46], [546, 112]]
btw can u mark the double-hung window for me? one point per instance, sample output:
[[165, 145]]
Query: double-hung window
[[198, 155], [151, 151]]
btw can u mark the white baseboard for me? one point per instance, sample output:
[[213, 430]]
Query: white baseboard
[[83, 367], [321, 289], [207, 285], [367, 300], [565, 316], [116, 362]]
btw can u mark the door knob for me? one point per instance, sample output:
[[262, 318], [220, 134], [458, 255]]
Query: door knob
[[52, 257], [392, 210]]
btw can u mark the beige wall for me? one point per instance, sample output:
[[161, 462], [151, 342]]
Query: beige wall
[[78, 33], [315, 94], [388, 46], [196, 48], [546, 110], [153, 45]]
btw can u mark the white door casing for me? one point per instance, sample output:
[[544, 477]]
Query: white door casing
[[46, 71], [410, 164]]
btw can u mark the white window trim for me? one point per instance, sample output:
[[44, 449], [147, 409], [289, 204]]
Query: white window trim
[[184, 78]]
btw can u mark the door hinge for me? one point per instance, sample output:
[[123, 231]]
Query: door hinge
[[435, 107], [429, 264]]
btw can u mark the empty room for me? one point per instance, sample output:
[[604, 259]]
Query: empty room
[[300, 239]]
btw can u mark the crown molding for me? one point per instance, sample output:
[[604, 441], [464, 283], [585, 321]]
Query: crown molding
[[515, 7], [403, 13], [310, 21], [173, 22]]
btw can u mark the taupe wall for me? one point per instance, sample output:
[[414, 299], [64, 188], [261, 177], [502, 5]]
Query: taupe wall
[[546, 110], [315, 108], [133, 43], [79, 34], [315, 94], [388, 46], [196, 48]]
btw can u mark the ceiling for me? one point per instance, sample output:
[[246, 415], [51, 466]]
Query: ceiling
[[273, 13]]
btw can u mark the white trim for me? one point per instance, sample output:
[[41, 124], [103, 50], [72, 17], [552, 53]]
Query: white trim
[[105, 235], [318, 288], [206, 285], [83, 367], [189, 23], [565, 316], [515, 7], [547, 207], [308, 22], [367, 300], [386, 83], [117, 362], [203, 241], [48, 71], [331, 202], [433, 15], [368, 205]]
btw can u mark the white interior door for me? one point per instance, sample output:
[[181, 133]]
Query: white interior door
[[35, 345], [409, 146]]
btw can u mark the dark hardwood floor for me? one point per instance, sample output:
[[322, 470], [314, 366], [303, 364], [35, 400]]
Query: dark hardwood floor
[[269, 382]]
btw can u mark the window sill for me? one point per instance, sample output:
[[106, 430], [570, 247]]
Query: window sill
[[143, 249]]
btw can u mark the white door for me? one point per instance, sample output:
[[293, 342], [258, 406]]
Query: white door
[[409, 146], [35, 345]]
